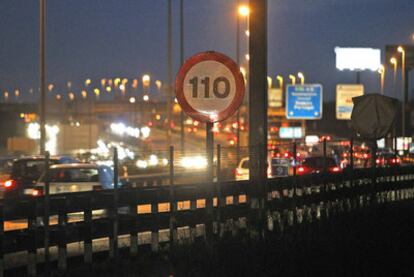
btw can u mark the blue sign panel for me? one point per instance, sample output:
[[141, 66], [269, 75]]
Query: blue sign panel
[[304, 101]]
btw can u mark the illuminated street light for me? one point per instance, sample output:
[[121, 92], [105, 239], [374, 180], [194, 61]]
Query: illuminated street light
[[381, 71], [158, 84], [87, 82], [135, 84], [84, 94], [145, 98], [146, 79], [58, 97], [71, 96], [244, 10], [394, 62], [69, 84], [97, 92], [301, 77], [17, 93], [50, 87], [132, 100], [103, 82], [269, 82], [108, 89], [124, 81], [122, 88], [402, 51], [280, 79], [247, 56], [6, 95], [293, 79]]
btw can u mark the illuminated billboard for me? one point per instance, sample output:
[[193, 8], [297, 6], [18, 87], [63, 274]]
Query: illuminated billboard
[[357, 59]]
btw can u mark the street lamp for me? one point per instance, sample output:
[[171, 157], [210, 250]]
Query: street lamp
[[269, 82], [280, 79], [87, 82], [292, 78], [394, 62], [381, 71], [301, 77], [244, 10], [402, 51]]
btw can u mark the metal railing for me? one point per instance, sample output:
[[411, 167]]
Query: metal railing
[[179, 212]]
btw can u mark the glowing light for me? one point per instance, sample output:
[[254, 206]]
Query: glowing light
[[244, 10], [158, 84], [108, 89], [145, 98], [84, 94], [197, 162], [50, 87], [122, 87], [17, 93], [146, 80], [88, 82], [145, 131], [153, 160], [142, 164], [393, 61], [58, 97], [132, 100], [247, 56], [96, 91], [103, 82], [247, 32]]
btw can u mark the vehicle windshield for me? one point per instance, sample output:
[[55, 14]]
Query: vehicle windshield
[[63, 175]]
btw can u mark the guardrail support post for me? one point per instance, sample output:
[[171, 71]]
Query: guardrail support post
[[32, 228], [87, 243], [173, 203], [1, 240], [154, 231], [113, 240], [62, 222], [133, 248]]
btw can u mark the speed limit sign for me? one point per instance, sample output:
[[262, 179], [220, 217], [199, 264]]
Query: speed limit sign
[[209, 87]]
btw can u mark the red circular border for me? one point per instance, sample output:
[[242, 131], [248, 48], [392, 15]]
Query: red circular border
[[210, 56]]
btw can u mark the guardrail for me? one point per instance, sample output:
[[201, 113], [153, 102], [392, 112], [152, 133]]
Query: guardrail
[[184, 212]]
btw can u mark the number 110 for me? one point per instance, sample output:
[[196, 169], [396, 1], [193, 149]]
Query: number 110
[[206, 82]]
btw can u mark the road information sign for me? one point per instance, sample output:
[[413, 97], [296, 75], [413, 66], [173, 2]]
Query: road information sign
[[344, 95], [209, 87], [304, 101]]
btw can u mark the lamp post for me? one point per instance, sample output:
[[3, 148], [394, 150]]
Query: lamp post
[[280, 79], [182, 115], [242, 11], [301, 76], [381, 71], [402, 51], [394, 62], [292, 79]]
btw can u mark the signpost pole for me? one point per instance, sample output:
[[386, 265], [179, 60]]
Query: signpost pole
[[210, 150]]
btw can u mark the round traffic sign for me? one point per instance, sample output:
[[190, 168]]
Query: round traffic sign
[[209, 87]]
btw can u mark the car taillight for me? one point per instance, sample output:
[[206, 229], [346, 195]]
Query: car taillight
[[302, 170], [37, 192], [397, 161], [377, 161], [336, 169], [9, 183]]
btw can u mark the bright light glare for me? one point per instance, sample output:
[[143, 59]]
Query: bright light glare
[[153, 160], [142, 164], [145, 98], [196, 162], [145, 131], [358, 58], [244, 10]]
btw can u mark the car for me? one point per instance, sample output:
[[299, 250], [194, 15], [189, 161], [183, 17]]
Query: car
[[387, 159], [315, 164], [276, 167], [26, 171], [75, 177]]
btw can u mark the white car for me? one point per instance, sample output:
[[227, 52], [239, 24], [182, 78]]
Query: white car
[[64, 178], [276, 167]]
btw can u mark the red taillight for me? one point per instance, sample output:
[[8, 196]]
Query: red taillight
[[286, 155], [377, 161], [398, 161], [9, 183], [36, 192], [336, 169], [302, 170]]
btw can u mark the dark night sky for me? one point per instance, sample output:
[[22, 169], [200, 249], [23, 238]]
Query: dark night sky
[[127, 38]]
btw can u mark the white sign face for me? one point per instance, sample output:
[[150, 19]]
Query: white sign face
[[358, 58], [344, 104], [209, 87], [275, 97]]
